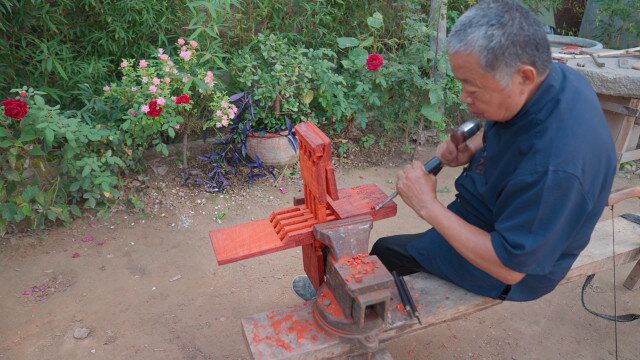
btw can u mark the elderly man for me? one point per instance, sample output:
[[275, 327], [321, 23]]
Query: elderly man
[[536, 180]]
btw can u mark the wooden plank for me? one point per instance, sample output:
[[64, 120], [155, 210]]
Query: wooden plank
[[235, 243], [439, 301], [361, 200], [630, 155], [633, 280], [597, 256]]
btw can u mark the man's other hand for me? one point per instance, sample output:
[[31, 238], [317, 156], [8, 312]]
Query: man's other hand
[[453, 156]]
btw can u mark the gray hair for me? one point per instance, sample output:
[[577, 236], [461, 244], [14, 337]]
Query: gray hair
[[504, 35]]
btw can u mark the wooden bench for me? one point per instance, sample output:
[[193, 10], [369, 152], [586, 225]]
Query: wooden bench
[[439, 301]]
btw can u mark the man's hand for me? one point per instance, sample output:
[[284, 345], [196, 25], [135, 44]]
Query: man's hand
[[453, 156], [417, 187]]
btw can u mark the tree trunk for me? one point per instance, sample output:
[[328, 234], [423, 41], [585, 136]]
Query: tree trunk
[[185, 146], [438, 21]]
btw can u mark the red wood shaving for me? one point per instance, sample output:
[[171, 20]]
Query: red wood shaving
[[360, 267], [401, 309]]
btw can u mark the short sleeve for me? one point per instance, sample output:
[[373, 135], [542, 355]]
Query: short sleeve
[[536, 216]]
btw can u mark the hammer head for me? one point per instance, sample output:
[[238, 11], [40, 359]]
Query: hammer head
[[465, 131]]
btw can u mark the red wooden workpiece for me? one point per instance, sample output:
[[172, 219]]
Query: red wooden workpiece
[[292, 227]]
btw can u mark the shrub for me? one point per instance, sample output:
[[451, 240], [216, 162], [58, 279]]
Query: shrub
[[51, 163], [165, 94]]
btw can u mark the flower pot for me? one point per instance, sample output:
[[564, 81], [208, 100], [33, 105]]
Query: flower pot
[[271, 148]]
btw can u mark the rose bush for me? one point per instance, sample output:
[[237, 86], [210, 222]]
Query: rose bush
[[52, 162], [165, 95]]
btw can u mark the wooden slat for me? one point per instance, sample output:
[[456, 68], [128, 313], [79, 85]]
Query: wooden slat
[[439, 301]]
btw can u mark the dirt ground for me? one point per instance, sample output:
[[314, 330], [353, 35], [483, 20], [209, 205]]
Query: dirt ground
[[146, 285]]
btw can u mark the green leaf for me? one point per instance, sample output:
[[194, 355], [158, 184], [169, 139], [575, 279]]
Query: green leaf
[[30, 193], [171, 132], [9, 211], [5, 143], [367, 42], [75, 210], [60, 71], [86, 170], [361, 118], [49, 136], [74, 186], [375, 21], [39, 100], [90, 203], [27, 135], [430, 111], [187, 85], [358, 55], [3, 132], [36, 151], [436, 95], [307, 96], [26, 209], [347, 42]]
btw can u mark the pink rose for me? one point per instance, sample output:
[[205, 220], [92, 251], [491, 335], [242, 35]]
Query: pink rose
[[153, 89], [160, 51], [218, 113], [144, 108], [224, 122], [164, 57], [23, 94], [224, 104], [133, 112], [106, 88], [156, 81], [124, 64], [185, 55], [185, 79], [181, 41], [167, 80], [177, 126], [160, 101], [169, 63], [143, 63], [174, 71], [193, 43]]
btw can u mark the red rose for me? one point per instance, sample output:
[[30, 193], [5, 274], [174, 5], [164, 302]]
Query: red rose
[[374, 61], [182, 99], [23, 94], [154, 109], [15, 109]]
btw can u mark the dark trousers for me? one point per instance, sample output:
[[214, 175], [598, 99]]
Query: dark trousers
[[392, 252]]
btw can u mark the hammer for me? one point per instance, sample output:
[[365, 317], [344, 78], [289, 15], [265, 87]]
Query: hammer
[[433, 166]]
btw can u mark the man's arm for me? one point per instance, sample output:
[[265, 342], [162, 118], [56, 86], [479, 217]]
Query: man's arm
[[473, 243], [417, 189]]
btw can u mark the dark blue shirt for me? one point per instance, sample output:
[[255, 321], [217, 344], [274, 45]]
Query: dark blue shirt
[[538, 186]]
